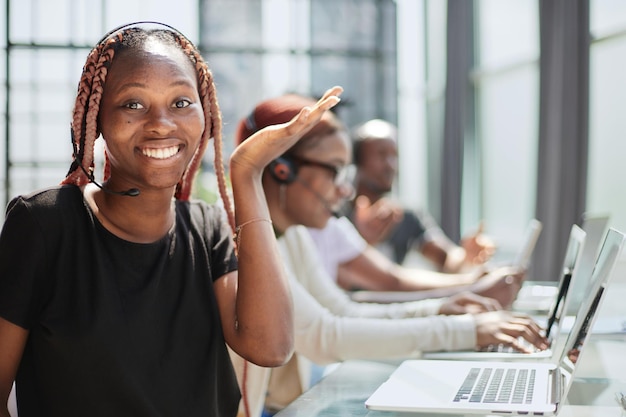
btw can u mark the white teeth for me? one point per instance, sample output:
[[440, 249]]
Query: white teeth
[[160, 153]]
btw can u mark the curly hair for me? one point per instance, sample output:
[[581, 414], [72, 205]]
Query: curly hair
[[84, 126]]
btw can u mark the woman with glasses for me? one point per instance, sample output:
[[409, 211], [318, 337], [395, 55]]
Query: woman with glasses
[[304, 187]]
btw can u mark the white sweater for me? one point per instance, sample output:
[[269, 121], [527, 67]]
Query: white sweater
[[329, 327]]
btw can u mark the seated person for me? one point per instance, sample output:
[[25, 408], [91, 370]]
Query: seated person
[[302, 189], [384, 223]]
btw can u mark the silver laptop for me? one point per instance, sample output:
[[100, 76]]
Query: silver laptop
[[569, 280], [502, 388]]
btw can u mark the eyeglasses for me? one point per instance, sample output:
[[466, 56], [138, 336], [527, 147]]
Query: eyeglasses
[[341, 175]]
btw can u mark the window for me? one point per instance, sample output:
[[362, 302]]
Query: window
[[605, 183], [47, 50], [500, 164]]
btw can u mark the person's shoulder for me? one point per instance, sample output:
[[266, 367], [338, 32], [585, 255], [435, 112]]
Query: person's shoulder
[[416, 215], [297, 235], [51, 210], [330, 229], [343, 224], [46, 199]]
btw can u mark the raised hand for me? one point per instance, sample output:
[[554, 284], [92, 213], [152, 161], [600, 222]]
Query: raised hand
[[267, 144], [479, 248]]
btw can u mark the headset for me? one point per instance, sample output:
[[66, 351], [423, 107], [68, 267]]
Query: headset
[[283, 169]]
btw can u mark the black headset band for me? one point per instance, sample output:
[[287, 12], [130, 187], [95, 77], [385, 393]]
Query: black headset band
[[140, 23]]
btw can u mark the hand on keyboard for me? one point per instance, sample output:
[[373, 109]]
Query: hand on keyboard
[[509, 329]]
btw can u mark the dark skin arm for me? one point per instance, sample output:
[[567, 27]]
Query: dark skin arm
[[12, 341], [373, 271], [385, 281]]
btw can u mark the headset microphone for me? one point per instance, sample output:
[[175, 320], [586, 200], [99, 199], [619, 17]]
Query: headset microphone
[[78, 160], [319, 197], [132, 192]]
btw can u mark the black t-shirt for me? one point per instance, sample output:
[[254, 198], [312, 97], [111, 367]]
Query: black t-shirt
[[410, 232], [116, 328]]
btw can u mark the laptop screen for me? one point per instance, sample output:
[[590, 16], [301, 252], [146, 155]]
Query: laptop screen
[[570, 266], [604, 265]]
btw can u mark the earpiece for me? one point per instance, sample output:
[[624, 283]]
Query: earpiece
[[283, 170]]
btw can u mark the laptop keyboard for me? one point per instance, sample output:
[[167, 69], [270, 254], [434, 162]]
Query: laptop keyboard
[[497, 385]]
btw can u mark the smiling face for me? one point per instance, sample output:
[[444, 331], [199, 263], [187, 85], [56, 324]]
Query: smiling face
[[151, 117]]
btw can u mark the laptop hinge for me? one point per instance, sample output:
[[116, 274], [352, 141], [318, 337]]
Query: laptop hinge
[[556, 386]]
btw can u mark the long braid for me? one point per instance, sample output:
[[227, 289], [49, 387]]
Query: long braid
[[76, 175], [91, 118], [213, 121], [86, 109], [183, 189], [219, 165]]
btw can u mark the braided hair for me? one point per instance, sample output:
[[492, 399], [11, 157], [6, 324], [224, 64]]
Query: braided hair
[[84, 126]]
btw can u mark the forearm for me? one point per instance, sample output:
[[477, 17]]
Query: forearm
[[454, 260], [329, 296], [444, 254], [263, 310], [4, 399], [387, 297], [413, 279], [354, 338], [12, 341], [373, 271]]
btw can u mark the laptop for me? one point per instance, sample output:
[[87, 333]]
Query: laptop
[[569, 280], [530, 388]]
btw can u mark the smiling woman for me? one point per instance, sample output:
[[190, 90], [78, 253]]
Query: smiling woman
[[129, 299]]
